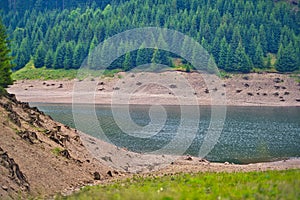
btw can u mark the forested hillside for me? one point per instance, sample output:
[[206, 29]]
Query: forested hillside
[[21, 5], [241, 35]]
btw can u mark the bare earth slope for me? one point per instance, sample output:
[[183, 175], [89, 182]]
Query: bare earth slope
[[38, 156]]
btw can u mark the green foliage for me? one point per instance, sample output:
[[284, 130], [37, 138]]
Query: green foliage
[[59, 56], [224, 74], [78, 56], [56, 151], [5, 60], [250, 185], [258, 57], [111, 73], [128, 61], [39, 57], [49, 59], [241, 60], [72, 29], [31, 73], [287, 59], [188, 69]]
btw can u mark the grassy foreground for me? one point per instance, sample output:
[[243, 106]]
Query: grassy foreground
[[250, 185]]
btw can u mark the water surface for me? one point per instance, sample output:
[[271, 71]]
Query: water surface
[[250, 134]]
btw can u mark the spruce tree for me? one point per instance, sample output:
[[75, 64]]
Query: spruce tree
[[287, 59], [263, 39], [144, 56], [5, 60], [68, 60], [78, 56], [39, 57], [128, 62], [59, 56], [223, 55], [241, 60], [230, 59], [258, 57], [49, 59]]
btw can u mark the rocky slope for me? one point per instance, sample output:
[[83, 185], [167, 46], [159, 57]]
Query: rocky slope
[[40, 157]]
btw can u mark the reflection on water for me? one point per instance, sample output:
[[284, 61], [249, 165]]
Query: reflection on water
[[250, 134]]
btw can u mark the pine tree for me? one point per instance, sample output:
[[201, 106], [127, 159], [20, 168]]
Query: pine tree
[[230, 60], [144, 56], [5, 60], [160, 57], [49, 59], [78, 56], [39, 57], [258, 57], [128, 62], [287, 59], [59, 56], [236, 38], [268, 63], [223, 55], [241, 60], [23, 55], [68, 60], [263, 39], [215, 50]]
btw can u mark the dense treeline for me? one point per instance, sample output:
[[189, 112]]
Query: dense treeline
[[40, 5], [241, 35]]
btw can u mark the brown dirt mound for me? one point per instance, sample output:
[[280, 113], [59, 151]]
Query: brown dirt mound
[[38, 156]]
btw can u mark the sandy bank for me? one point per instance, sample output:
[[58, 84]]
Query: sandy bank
[[167, 88]]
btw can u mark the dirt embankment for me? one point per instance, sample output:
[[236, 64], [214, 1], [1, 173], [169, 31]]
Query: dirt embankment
[[40, 157], [167, 88]]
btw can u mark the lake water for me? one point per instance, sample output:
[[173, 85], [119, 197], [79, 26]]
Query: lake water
[[250, 134]]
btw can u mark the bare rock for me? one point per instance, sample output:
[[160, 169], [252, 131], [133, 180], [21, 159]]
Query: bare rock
[[97, 176], [14, 171], [28, 136], [14, 117], [189, 158], [110, 173], [4, 187], [65, 153]]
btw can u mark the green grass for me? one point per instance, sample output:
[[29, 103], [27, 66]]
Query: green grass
[[251, 185], [29, 72], [111, 73], [56, 151], [296, 76], [224, 75]]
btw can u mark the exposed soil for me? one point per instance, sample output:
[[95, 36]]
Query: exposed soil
[[40, 157], [167, 88]]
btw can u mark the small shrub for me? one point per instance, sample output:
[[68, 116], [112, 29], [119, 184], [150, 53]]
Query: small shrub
[[56, 151]]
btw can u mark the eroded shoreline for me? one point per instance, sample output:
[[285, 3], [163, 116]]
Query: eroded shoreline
[[167, 88]]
